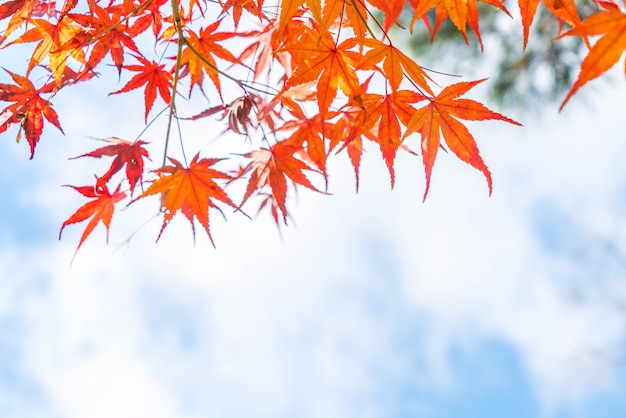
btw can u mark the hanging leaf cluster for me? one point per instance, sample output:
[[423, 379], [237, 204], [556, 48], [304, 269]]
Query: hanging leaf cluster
[[300, 81]]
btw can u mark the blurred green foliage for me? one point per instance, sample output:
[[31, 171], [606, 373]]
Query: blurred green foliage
[[521, 79]]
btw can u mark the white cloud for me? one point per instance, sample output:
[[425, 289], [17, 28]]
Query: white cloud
[[309, 323]]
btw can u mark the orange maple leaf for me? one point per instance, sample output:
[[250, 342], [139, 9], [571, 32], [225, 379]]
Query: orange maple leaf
[[611, 24], [206, 43], [322, 58], [101, 209], [272, 167], [310, 131], [440, 117], [565, 10], [254, 7], [54, 42], [289, 9], [382, 124], [349, 129], [191, 190], [395, 64], [355, 16], [391, 10], [154, 76], [21, 11], [28, 111]]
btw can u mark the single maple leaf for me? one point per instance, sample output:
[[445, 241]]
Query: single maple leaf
[[126, 153], [348, 130], [109, 36], [383, 116], [99, 210], [611, 25], [28, 111], [332, 63], [150, 16], [205, 42], [439, 117], [191, 190], [395, 64], [527, 8], [154, 76], [54, 43], [273, 167], [238, 112], [310, 131]]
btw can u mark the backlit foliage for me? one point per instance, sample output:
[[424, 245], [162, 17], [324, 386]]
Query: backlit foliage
[[301, 81]]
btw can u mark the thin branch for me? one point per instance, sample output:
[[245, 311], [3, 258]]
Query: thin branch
[[179, 52]]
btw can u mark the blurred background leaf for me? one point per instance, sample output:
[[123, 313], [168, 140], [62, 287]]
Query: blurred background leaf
[[518, 79]]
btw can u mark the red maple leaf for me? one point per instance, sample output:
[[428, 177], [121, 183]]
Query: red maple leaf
[[126, 153], [109, 36], [154, 76], [101, 208], [150, 16], [28, 111], [272, 167], [22, 10], [391, 10]]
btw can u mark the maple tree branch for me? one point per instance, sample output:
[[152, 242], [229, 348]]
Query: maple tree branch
[[179, 52]]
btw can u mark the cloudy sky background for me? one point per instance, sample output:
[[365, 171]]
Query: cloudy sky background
[[371, 304]]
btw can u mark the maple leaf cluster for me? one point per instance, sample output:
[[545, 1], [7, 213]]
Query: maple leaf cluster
[[301, 80]]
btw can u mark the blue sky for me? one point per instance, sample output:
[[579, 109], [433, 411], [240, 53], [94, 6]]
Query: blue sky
[[372, 305]]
